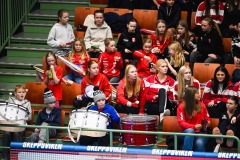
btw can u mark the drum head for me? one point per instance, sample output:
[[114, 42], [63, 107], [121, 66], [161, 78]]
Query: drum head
[[138, 119], [89, 91]]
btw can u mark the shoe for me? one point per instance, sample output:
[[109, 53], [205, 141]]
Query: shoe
[[41, 141], [165, 113], [216, 131], [230, 141]]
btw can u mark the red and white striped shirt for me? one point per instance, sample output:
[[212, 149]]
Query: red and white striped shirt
[[221, 96], [237, 90], [201, 13], [152, 85]]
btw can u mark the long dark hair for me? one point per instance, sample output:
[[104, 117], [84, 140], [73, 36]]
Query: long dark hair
[[208, 8], [190, 103], [215, 82]]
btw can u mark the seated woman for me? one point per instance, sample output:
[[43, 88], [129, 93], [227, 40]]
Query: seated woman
[[131, 92], [96, 79], [96, 34], [184, 80], [159, 91], [229, 122], [190, 114], [217, 91]]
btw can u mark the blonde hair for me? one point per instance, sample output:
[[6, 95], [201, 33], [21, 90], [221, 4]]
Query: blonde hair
[[165, 32], [181, 81], [83, 52], [159, 63], [131, 90], [179, 59]]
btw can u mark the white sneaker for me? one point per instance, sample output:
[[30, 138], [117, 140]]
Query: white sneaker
[[165, 113]]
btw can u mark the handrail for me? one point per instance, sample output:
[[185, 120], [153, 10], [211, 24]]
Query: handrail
[[16, 12], [111, 131]]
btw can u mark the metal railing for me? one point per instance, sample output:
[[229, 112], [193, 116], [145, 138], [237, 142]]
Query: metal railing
[[12, 12], [111, 131]]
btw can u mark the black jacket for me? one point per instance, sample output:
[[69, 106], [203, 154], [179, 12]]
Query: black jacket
[[208, 43], [53, 119], [171, 15], [131, 41]]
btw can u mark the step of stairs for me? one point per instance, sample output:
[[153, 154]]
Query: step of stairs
[[17, 75], [38, 27], [58, 4], [27, 50], [20, 62], [47, 15], [33, 38]]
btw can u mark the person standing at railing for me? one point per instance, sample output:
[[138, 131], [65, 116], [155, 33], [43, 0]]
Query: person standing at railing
[[131, 95], [49, 116], [101, 106], [61, 34], [190, 114], [19, 99]]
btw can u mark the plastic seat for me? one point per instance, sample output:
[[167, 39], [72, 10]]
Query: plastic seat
[[146, 19]]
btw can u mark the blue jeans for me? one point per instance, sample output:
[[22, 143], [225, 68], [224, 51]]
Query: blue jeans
[[73, 77], [191, 142]]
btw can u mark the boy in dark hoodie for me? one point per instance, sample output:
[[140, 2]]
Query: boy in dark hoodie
[[49, 116]]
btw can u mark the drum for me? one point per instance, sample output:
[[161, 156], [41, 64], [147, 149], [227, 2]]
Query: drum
[[11, 113], [141, 123], [89, 91], [88, 119]]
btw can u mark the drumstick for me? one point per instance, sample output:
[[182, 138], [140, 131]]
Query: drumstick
[[37, 69]]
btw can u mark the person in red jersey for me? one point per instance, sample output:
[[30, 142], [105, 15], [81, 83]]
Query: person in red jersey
[[52, 77], [131, 95], [97, 80], [190, 114], [110, 62], [146, 59]]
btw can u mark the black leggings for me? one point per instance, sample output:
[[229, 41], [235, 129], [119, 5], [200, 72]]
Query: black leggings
[[120, 108]]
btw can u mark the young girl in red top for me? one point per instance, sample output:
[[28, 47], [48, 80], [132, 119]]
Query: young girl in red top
[[110, 62], [131, 92], [52, 78], [190, 114], [161, 40], [96, 79], [79, 57], [146, 59]]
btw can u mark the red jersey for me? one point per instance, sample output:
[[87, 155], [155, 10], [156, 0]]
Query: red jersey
[[237, 90], [160, 42], [221, 96], [153, 85], [100, 81], [55, 88], [108, 66], [140, 96], [186, 122], [143, 67]]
